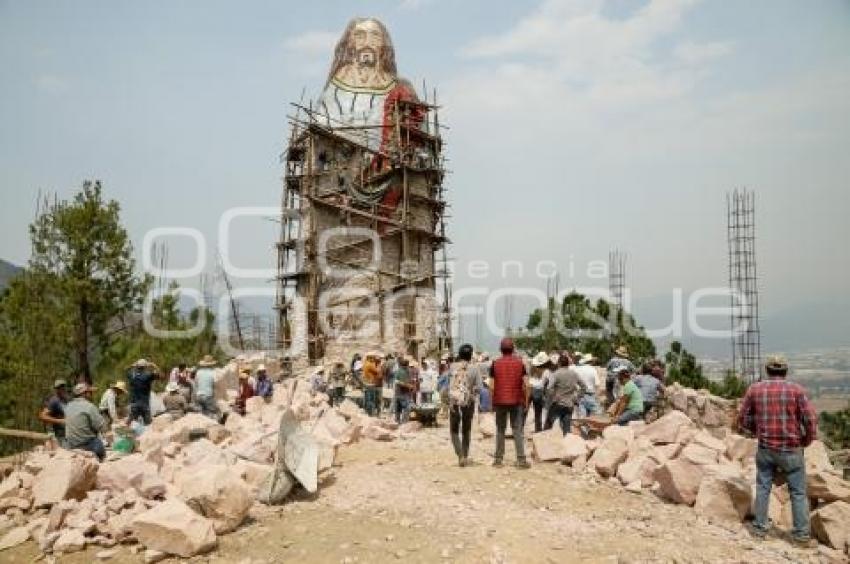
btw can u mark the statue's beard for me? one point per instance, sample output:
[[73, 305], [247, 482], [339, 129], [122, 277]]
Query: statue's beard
[[366, 57]]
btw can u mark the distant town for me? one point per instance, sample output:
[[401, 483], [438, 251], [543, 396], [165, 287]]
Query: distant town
[[824, 372]]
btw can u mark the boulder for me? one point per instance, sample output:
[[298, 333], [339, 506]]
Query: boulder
[[640, 468], [724, 494], [831, 524], [817, 457], [204, 452], [662, 453], [705, 439], [161, 423], [10, 486], [333, 426], [217, 493], [253, 473], [68, 476], [20, 502], [579, 463], [349, 409], [679, 480], [574, 447], [190, 425], [626, 434], [254, 448], [377, 433], [152, 440], [666, 429], [827, 486], [698, 454], [14, 537], [608, 456], [410, 427], [131, 472], [58, 513], [739, 448], [70, 540], [254, 405], [549, 445], [172, 527]]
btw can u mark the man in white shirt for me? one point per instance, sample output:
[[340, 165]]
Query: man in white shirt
[[587, 404]]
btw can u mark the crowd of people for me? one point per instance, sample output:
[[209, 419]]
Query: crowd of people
[[76, 423], [548, 386]]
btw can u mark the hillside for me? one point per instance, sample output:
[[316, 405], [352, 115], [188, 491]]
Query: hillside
[[7, 272]]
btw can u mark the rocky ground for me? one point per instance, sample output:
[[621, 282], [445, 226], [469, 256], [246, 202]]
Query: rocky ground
[[408, 500]]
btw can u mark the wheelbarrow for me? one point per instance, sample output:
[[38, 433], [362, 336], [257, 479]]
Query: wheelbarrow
[[591, 427], [425, 413]]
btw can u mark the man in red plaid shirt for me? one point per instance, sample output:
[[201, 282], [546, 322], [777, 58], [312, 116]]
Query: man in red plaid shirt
[[778, 413]]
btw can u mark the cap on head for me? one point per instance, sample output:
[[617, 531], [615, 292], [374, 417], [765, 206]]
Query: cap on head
[[141, 363], [622, 351], [506, 345], [776, 363], [120, 385], [60, 383], [261, 368]]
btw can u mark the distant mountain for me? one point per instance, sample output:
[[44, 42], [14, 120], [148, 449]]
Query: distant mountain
[[7, 272], [812, 325]]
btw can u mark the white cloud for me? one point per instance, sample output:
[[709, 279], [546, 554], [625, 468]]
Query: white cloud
[[584, 51]]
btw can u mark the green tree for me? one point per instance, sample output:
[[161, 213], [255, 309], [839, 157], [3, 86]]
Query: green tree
[[682, 367], [578, 324], [83, 247]]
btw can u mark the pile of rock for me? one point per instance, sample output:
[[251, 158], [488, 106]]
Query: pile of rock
[[191, 480], [707, 411], [682, 463]]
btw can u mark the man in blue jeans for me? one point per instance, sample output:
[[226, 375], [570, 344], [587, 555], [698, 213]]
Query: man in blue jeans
[[778, 413]]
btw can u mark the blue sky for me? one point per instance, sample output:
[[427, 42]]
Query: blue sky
[[576, 126]]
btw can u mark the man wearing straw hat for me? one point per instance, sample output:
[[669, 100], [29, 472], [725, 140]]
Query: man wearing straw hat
[[140, 379], [205, 386], [620, 358], [109, 401]]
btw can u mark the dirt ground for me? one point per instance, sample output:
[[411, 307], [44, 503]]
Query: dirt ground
[[408, 501]]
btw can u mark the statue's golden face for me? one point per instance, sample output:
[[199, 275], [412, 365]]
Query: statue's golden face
[[367, 40]]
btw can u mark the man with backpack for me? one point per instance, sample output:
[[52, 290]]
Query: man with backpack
[[464, 386], [510, 395]]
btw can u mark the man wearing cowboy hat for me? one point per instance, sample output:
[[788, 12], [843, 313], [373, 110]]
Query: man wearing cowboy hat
[[539, 364], [246, 391], [620, 358], [263, 386], [373, 381], [53, 411], [140, 379], [174, 401], [109, 401], [587, 404], [205, 386], [83, 423], [779, 414], [337, 378]]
